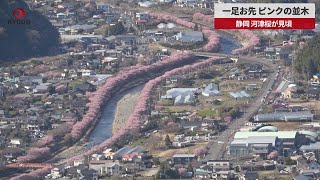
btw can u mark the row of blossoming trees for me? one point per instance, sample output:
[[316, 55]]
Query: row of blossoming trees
[[103, 93], [212, 37], [98, 98], [251, 41], [202, 17], [134, 121], [250, 38], [32, 175]]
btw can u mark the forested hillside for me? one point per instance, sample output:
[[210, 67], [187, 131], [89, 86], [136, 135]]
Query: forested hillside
[[20, 41], [307, 62]]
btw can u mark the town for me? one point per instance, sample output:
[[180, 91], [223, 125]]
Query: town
[[149, 90]]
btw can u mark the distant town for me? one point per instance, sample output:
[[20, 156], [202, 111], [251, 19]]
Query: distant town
[[150, 90]]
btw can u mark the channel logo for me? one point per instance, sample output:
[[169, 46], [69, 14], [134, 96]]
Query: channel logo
[[18, 17], [19, 13]]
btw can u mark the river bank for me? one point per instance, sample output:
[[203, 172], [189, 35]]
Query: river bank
[[124, 108]]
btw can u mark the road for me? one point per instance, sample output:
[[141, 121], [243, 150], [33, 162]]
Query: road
[[216, 148]]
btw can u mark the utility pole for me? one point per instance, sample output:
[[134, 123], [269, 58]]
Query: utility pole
[[269, 43]]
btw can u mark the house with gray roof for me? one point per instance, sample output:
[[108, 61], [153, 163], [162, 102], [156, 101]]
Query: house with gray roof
[[42, 88], [104, 7], [86, 28], [122, 151], [255, 145], [310, 147], [284, 116], [190, 36], [183, 158], [128, 40], [106, 167], [31, 79], [128, 150], [80, 37]]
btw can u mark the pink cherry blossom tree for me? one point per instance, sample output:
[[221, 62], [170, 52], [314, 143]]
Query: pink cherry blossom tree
[[251, 41], [61, 89], [36, 174], [202, 17], [213, 40], [52, 74], [37, 69], [182, 171], [45, 140], [200, 151], [273, 155], [34, 154]]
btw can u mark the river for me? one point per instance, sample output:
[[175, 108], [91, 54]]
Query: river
[[103, 129], [228, 42]]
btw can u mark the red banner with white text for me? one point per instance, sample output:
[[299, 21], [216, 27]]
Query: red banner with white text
[[264, 23], [264, 16]]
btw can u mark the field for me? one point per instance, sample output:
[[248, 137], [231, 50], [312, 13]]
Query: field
[[207, 113], [287, 126], [277, 175], [155, 144]]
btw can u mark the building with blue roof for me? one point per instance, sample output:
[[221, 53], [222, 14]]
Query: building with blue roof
[[241, 94], [186, 98], [245, 94]]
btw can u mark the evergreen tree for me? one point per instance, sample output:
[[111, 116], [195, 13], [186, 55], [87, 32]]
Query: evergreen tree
[[196, 27], [317, 155], [307, 62], [167, 141], [116, 29], [131, 29], [190, 168], [51, 89]]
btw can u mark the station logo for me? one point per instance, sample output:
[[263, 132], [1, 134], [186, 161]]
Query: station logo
[[19, 13], [18, 17]]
